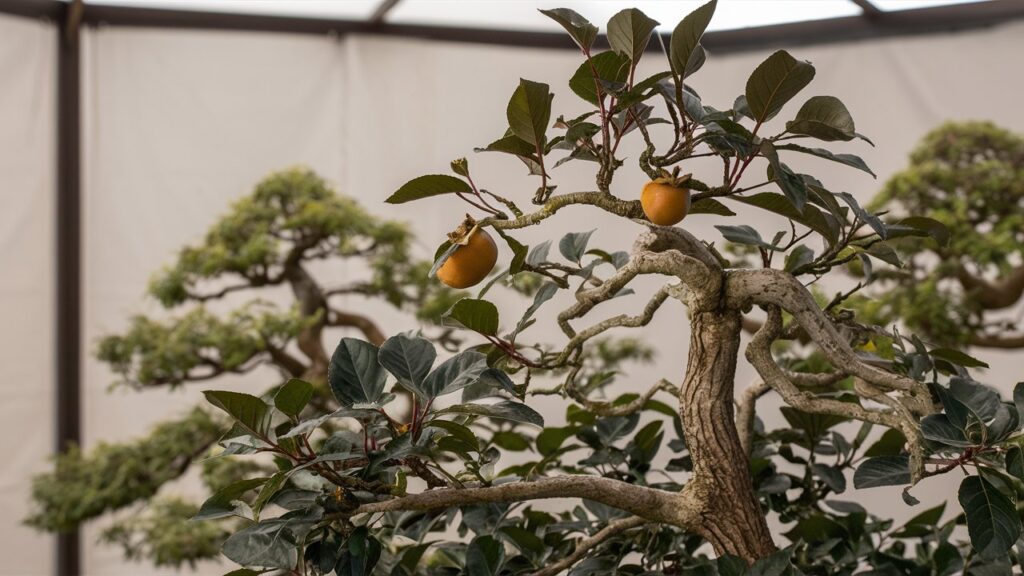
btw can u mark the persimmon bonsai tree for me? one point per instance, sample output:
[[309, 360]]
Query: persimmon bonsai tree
[[269, 239], [675, 478]]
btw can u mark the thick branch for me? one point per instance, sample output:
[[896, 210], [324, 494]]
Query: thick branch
[[368, 327], [587, 544], [768, 287], [1005, 342], [1002, 293], [746, 410], [606, 202], [682, 509]]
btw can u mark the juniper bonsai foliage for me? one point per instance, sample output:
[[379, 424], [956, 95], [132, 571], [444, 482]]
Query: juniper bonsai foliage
[[970, 177], [674, 478], [268, 239]]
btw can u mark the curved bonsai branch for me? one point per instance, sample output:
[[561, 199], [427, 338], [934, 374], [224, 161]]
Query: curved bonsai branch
[[365, 325], [602, 200], [768, 287], [991, 295], [587, 544], [681, 509]]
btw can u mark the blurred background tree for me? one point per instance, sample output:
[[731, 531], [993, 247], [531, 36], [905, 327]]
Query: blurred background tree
[[970, 177], [267, 240]]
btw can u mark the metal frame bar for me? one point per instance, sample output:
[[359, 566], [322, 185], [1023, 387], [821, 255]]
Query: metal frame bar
[[68, 354], [872, 24]]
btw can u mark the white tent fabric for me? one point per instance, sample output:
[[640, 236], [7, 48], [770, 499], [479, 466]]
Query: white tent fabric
[[27, 104], [179, 123]]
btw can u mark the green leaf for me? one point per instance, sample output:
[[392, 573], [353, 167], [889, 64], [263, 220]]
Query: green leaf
[[222, 503], [937, 230], [938, 428], [505, 410], [519, 252], [268, 544], [686, 37], [922, 524], [810, 216], [249, 411], [579, 28], [529, 112], [800, 256], [847, 159], [464, 434], [992, 520], [710, 206], [409, 359], [606, 67], [511, 144], [1015, 462], [355, 376], [427, 186], [270, 488], [890, 444], [832, 476], [574, 244], [544, 293], [825, 118], [791, 185], [360, 555], [744, 234], [957, 357], [293, 396], [865, 216], [454, 374], [511, 441], [774, 82], [629, 31], [484, 557], [551, 439], [476, 315], [882, 471]]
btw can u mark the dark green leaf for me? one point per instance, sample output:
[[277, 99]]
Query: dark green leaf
[[270, 488], [293, 396], [409, 359], [249, 411], [529, 112], [476, 315], [546, 291], [847, 159], [1015, 462], [937, 230], [519, 252], [800, 256], [606, 67], [992, 520], [779, 204], [629, 31], [222, 503], [454, 374], [354, 374], [938, 428], [831, 476], [574, 244], [825, 118], [882, 471], [551, 439], [427, 186], [865, 216], [774, 82], [686, 37], [957, 357], [484, 557], [791, 185], [710, 206], [511, 144], [579, 28], [744, 234], [505, 410]]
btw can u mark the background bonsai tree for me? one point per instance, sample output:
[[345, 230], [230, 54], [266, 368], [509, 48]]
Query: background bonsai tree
[[675, 479], [970, 177], [268, 239]]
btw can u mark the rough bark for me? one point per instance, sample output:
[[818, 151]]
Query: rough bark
[[732, 519]]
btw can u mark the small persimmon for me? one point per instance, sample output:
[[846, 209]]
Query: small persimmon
[[666, 200], [473, 260]]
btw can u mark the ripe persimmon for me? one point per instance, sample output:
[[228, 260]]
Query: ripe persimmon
[[666, 200], [473, 260]]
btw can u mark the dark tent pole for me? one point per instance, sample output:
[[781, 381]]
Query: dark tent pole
[[69, 268]]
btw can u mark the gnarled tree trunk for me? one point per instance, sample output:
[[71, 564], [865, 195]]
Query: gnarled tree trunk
[[732, 520]]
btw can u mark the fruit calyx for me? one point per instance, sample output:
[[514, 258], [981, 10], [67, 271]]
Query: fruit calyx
[[466, 229], [673, 178]]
